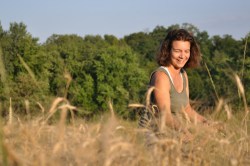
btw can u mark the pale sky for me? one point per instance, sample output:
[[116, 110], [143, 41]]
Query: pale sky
[[123, 17]]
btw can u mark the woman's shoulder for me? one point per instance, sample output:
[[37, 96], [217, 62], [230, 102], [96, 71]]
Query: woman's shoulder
[[158, 72], [159, 75], [160, 69]]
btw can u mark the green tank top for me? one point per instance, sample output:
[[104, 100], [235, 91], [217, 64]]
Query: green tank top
[[178, 100]]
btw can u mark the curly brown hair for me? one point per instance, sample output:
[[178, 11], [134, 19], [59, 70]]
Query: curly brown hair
[[163, 56]]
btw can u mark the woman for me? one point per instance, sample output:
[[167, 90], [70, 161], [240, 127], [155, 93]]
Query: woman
[[170, 81]]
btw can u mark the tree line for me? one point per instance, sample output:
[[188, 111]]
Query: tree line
[[93, 70]]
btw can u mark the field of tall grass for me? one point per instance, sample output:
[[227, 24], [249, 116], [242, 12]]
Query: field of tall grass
[[54, 136], [110, 140]]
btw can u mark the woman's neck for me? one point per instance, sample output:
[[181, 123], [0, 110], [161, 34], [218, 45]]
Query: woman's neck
[[173, 70]]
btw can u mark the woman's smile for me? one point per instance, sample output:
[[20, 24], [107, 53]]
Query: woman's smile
[[180, 53]]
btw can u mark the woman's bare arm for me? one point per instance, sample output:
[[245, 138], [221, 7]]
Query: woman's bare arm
[[162, 97]]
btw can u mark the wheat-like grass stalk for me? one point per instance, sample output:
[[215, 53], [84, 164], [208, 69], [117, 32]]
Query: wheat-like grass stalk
[[187, 117], [53, 107], [42, 110], [111, 109], [27, 108], [68, 77], [211, 79], [242, 92], [69, 108], [61, 134], [32, 75], [10, 113], [3, 151], [136, 105], [228, 111], [219, 106], [2, 67], [244, 57], [3, 74], [64, 109], [148, 96], [41, 107]]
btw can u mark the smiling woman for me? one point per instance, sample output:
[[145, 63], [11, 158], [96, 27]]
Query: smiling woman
[[170, 81]]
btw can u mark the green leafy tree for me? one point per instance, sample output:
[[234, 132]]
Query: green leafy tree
[[102, 70], [91, 71], [25, 73]]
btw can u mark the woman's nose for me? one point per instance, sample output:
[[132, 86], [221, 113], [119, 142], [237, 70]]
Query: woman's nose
[[181, 55]]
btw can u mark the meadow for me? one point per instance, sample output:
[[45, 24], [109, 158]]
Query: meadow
[[55, 111], [109, 140]]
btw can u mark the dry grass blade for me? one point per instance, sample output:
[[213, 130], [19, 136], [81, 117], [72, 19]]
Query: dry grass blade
[[218, 109], [68, 77], [244, 57], [61, 134], [2, 67], [111, 109], [148, 96], [211, 79], [40, 106], [27, 108], [70, 108], [64, 109], [10, 113], [3, 74], [136, 105], [239, 84], [187, 117], [242, 91], [32, 75], [55, 103], [228, 111], [53, 108], [219, 106], [67, 107]]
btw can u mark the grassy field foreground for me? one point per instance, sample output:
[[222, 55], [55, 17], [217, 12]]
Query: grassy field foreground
[[113, 141]]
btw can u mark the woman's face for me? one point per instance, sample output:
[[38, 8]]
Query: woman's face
[[180, 53]]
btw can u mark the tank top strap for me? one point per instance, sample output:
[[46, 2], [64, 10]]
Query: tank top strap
[[184, 78], [163, 69], [178, 100]]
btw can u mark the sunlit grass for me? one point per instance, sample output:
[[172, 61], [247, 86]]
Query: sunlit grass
[[112, 141]]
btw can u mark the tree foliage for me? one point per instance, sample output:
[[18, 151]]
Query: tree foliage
[[92, 71]]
